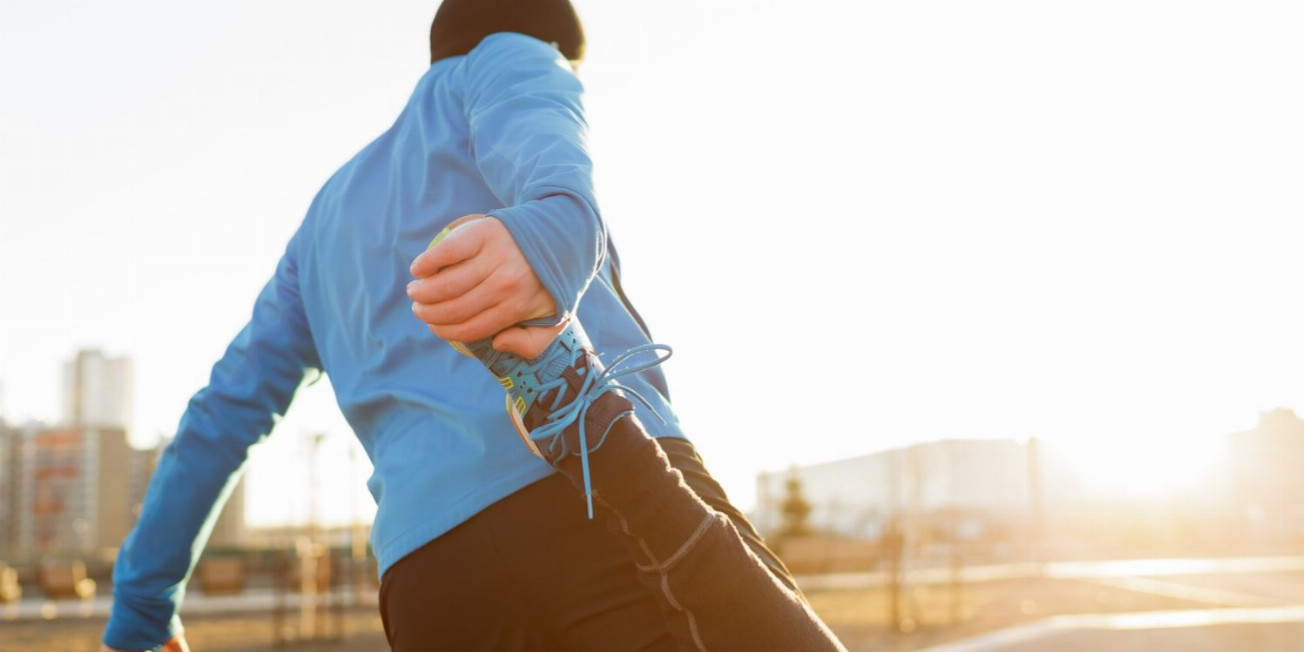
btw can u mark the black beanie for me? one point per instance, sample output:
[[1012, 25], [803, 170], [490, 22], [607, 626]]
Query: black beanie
[[461, 24]]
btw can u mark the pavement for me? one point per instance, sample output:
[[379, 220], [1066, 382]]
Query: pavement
[[1089, 570], [1255, 605], [1246, 604], [251, 600], [1269, 629]]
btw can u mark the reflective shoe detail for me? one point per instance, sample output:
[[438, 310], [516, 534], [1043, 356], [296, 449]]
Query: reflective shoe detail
[[564, 396], [554, 399]]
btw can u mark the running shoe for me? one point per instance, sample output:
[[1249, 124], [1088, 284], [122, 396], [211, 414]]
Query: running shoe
[[563, 402]]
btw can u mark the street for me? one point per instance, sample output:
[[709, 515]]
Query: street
[[1187, 605]]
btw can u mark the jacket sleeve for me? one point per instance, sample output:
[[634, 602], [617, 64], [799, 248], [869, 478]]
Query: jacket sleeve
[[528, 135], [249, 389]]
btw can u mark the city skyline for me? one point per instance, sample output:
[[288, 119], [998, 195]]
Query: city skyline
[[1083, 472]]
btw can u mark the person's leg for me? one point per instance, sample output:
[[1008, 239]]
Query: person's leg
[[435, 598], [581, 586], [530, 572], [684, 458], [717, 593]]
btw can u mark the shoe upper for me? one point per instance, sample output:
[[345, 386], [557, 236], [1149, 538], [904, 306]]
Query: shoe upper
[[563, 400]]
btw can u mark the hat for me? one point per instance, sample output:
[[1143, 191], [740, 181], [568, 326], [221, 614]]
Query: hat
[[460, 25]]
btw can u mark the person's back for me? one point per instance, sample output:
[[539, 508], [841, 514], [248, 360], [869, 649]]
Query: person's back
[[499, 130], [413, 401], [481, 545]]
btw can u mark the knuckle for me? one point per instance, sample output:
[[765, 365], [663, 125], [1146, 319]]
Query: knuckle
[[455, 313], [503, 283], [463, 247], [435, 289], [512, 284]]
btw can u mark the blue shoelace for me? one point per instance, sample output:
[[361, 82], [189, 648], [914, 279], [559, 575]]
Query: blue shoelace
[[592, 387]]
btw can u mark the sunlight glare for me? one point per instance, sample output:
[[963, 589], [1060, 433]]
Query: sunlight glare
[[1144, 471]]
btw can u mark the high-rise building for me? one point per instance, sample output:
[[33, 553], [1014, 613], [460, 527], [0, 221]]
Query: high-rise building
[[10, 470], [97, 391], [141, 463], [74, 489]]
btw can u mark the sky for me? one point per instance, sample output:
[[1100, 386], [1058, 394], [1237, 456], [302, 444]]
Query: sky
[[860, 224]]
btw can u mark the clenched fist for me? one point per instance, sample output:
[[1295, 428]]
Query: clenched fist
[[476, 284]]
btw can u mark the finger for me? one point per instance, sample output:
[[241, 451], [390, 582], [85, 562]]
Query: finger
[[464, 219], [527, 341], [500, 287], [485, 324], [451, 282], [456, 247], [455, 311]]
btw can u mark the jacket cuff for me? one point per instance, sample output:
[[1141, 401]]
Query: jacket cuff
[[141, 624], [563, 246]]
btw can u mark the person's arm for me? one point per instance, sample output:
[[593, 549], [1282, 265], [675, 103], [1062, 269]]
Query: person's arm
[[528, 137], [250, 387]]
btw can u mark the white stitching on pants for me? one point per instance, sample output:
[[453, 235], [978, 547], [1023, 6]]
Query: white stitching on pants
[[690, 543], [661, 569], [692, 621], [624, 527]]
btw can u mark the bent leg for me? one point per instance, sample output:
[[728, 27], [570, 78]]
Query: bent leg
[[719, 594], [684, 458]]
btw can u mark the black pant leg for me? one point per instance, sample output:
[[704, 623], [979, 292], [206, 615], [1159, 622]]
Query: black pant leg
[[528, 573], [684, 458], [718, 594]]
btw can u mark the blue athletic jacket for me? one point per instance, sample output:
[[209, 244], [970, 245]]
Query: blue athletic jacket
[[499, 131]]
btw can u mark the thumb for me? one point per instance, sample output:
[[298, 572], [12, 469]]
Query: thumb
[[527, 341], [450, 246]]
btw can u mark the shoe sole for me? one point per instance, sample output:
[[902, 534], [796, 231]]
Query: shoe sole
[[521, 430]]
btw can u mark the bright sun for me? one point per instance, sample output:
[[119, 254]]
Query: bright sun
[[1144, 471]]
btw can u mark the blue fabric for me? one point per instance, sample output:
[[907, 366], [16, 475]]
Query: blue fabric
[[500, 130]]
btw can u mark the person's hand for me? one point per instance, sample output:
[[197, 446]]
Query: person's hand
[[477, 284], [177, 644]]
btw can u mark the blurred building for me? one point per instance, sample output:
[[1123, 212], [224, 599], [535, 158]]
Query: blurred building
[[974, 484], [141, 463], [74, 489], [230, 530], [10, 470], [80, 486], [1267, 468], [285, 536], [97, 391]]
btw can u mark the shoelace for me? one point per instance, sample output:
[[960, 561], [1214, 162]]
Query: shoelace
[[592, 387]]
